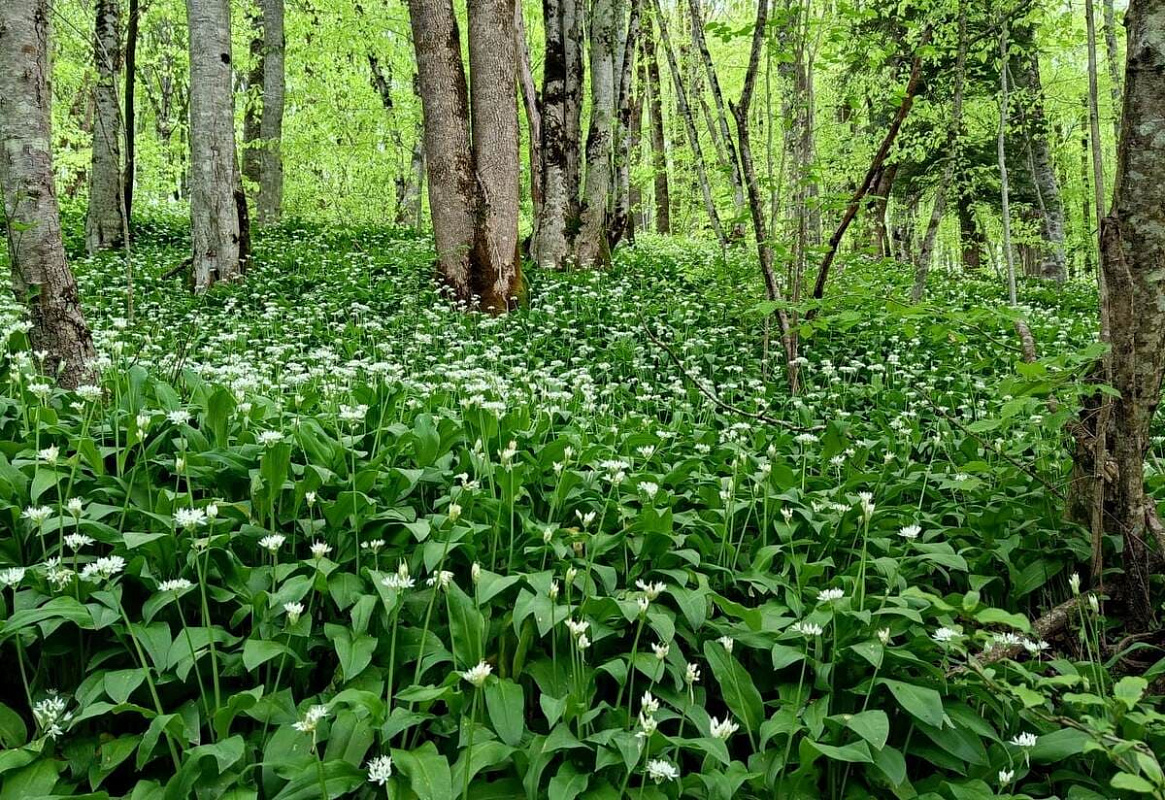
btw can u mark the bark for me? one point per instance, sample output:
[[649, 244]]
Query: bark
[[448, 154], [216, 227], [1133, 251], [626, 129], [654, 102], [253, 103], [40, 274], [970, 235], [592, 248], [131, 61], [492, 53], [550, 237], [574, 35], [270, 206], [411, 201], [104, 223], [685, 111], [1001, 142], [530, 102], [954, 131], [1088, 220], [883, 188]]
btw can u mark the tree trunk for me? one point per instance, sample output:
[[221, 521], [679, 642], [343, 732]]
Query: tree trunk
[[40, 275], [216, 227], [1133, 251], [1001, 142], [970, 235], [626, 129], [270, 206], [1087, 218], [104, 223], [131, 65], [412, 202], [685, 110], [550, 236], [253, 102], [953, 154], [574, 35], [654, 103], [448, 154], [492, 54], [591, 244], [1113, 65]]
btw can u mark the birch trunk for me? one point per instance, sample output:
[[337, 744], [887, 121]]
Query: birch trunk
[[591, 244], [40, 274], [216, 224], [105, 223]]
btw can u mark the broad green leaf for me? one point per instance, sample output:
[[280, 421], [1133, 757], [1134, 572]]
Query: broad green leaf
[[506, 702]]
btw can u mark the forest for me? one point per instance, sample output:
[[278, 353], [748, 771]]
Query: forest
[[582, 399]]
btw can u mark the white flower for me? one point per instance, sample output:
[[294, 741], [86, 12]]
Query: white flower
[[571, 574], [659, 770], [375, 545], [643, 603], [37, 514], [440, 579], [884, 635], [547, 534], [652, 590], [76, 541], [830, 595], [647, 726], [103, 569], [692, 674], [1006, 776], [1025, 740], [311, 719], [553, 590], [944, 635], [583, 642], [319, 550], [88, 391], [454, 512], [353, 414], [190, 518], [51, 715], [478, 674], [1074, 582], [399, 580], [649, 703], [661, 650], [212, 511], [143, 421], [270, 438], [272, 542], [807, 629], [176, 585], [294, 612], [75, 506], [723, 730], [727, 642], [787, 513], [1094, 603], [866, 502], [178, 416], [910, 532], [586, 519], [310, 497], [11, 576], [577, 627], [49, 455], [379, 770]]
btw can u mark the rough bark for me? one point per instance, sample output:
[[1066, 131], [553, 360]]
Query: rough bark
[[685, 111], [1133, 252], [591, 243], [1004, 185], [654, 102], [530, 102], [574, 35], [215, 219], [1113, 65], [448, 154], [970, 234], [253, 102], [411, 201], [626, 127], [104, 222], [550, 237], [40, 274], [492, 53], [270, 205]]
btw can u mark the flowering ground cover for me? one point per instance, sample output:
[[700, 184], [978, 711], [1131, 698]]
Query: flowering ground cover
[[322, 535]]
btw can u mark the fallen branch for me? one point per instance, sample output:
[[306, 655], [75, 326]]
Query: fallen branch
[[1043, 628], [708, 393]]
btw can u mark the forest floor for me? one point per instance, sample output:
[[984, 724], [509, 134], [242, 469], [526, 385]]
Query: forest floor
[[532, 545]]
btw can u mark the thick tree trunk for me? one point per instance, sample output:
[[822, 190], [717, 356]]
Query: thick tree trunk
[[1133, 242], [448, 154], [40, 274], [131, 65], [216, 227], [492, 54], [270, 205], [550, 236], [591, 244], [685, 111], [654, 101], [627, 127], [105, 224], [574, 35]]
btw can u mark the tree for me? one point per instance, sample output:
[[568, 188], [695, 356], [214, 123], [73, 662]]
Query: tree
[[654, 103], [473, 182], [270, 205], [591, 244], [40, 274], [105, 225], [1132, 259], [217, 205]]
